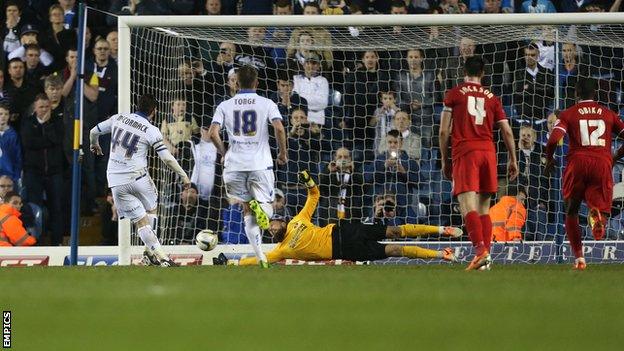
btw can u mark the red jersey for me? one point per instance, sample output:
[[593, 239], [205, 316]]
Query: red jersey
[[474, 110], [589, 126]]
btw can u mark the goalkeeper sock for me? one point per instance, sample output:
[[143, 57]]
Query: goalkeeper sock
[[573, 230], [475, 231], [151, 241], [254, 235], [419, 252], [415, 230], [486, 227]]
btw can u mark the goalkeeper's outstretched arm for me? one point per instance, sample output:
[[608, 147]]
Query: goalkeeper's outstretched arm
[[313, 194]]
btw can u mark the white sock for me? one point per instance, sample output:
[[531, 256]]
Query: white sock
[[151, 241], [267, 208], [153, 221], [254, 235], [440, 230]]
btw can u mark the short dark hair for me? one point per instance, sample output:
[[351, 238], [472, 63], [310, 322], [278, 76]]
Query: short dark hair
[[395, 133], [147, 104], [474, 66], [532, 46], [13, 3], [16, 59], [586, 88], [42, 96], [283, 3], [398, 3], [5, 106], [9, 195], [313, 4], [32, 47], [247, 77]]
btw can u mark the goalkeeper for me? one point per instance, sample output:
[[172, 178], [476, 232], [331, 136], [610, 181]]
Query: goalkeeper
[[300, 239]]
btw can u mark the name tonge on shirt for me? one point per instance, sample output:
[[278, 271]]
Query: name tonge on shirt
[[590, 110], [472, 89], [244, 101]]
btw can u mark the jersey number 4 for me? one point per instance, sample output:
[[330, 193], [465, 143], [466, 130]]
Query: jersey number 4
[[476, 108], [125, 140], [246, 121], [595, 138]]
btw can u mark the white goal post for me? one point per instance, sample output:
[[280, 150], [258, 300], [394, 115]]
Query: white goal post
[[168, 25]]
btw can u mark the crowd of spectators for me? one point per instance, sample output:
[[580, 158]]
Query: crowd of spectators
[[363, 121]]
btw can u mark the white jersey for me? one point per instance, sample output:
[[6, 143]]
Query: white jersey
[[246, 118], [132, 135]]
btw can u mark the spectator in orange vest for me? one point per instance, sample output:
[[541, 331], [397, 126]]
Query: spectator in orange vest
[[12, 232], [508, 216]]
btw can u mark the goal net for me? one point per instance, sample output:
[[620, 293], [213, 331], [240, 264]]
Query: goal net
[[343, 89]]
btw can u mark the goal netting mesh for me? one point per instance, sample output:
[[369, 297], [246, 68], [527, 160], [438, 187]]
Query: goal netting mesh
[[341, 90]]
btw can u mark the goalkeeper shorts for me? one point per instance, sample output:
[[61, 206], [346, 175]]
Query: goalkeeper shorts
[[355, 241]]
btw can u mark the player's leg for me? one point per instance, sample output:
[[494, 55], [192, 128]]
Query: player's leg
[[413, 251], [261, 187], [573, 231], [145, 191], [143, 215], [259, 195], [488, 185], [573, 193], [466, 172], [599, 195], [416, 230]]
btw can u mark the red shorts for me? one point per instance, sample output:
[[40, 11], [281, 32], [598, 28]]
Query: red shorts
[[589, 179], [475, 171]]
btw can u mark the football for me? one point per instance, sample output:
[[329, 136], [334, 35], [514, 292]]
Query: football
[[206, 240]]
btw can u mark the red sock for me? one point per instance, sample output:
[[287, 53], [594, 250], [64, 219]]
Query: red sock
[[473, 225], [573, 230], [486, 227]]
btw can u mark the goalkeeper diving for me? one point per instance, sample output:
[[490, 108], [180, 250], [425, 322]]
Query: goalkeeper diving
[[301, 240]]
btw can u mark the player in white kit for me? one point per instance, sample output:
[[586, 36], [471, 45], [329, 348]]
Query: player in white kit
[[248, 166], [134, 192]]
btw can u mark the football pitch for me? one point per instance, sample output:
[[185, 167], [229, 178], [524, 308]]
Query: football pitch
[[388, 308]]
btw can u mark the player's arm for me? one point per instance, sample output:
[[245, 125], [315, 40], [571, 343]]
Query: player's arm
[[510, 143], [215, 136], [445, 136], [313, 195], [558, 132], [280, 134], [159, 146], [618, 129], [273, 256], [103, 127]]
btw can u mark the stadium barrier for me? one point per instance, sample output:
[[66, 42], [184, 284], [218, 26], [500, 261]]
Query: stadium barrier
[[540, 252]]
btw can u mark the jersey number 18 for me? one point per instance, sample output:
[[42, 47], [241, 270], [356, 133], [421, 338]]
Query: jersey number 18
[[246, 121]]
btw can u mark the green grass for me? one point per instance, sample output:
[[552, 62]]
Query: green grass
[[315, 308]]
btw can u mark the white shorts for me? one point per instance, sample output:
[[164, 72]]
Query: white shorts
[[249, 185], [133, 200]]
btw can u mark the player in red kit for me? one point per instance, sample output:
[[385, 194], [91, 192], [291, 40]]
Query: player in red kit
[[587, 176], [470, 112]]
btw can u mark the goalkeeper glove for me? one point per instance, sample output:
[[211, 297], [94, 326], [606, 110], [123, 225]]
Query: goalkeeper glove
[[304, 177]]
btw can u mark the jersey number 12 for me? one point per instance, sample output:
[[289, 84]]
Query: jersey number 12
[[476, 108], [595, 138]]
